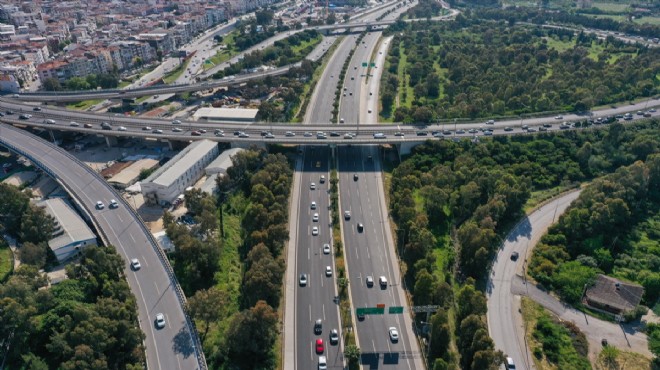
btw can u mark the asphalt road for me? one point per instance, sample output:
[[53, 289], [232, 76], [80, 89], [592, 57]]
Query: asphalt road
[[316, 299], [167, 348], [371, 253], [504, 320]]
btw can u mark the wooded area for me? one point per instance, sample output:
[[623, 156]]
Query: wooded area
[[481, 68], [453, 203], [238, 327]]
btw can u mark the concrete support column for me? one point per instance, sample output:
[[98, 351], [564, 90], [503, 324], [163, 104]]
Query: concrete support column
[[110, 141]]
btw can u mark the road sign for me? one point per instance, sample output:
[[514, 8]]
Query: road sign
[[365, 64], [381, 305], [373, 64], [395, 309], [370, 311]]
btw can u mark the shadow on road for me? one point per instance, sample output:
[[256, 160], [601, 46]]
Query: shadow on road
[[524, 229], [182, 343]]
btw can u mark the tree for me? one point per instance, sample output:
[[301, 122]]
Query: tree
[[264, 17], [52, 84], [33, 254], [208, 306], [36, 225], [352, 353], [251, 336], [13, 204], [331, 19]]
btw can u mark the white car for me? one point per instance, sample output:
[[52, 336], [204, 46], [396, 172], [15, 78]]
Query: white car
[[383, 281], [322, 180], [315, 230], [323, 363], [312, 186], [100, 205], [160, 320], [370, 281], [176, 129], [74, 124], [135, 264], [394, 334], [121, 128], [315, 217], [313, 205], [328, 271], [326, 248], [113, 203], [347, 215]]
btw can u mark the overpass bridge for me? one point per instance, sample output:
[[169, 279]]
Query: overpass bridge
[[404, 137]]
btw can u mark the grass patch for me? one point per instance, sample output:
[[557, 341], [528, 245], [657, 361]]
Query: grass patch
[[611, 7], [553, 344], [406, 92], [85, 104], [623, 360], [173, 75], [219, 57], [229, 276], [540, 196], [559, 45], [6, 260]]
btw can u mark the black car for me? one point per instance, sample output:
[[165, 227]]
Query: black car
[[236, 133], [335, 134], [2, 114], [422, 133], [355, 177], [514, 256], [360, 316], [360, 227], [9, 112], [36, 109]]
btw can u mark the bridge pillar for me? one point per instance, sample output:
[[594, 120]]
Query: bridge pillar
[[405, 147], [110, 141]]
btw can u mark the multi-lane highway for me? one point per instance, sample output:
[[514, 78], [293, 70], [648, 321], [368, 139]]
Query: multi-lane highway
[[370, 253], [175, 346], [315, 300]]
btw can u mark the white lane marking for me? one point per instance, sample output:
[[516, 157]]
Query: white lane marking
[[157, 290]]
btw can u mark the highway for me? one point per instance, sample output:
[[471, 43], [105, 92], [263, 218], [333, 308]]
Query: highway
[[371, 253], [154, 285], [504, 321], [304, 134], [315, 300]]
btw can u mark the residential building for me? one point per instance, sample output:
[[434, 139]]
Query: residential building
[[613, 295], [180, 172], [71, 233]]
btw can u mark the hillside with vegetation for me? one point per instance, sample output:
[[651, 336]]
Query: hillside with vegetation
[[453, 202]]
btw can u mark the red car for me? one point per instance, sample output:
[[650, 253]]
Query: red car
[[196, 133], [319, 346]]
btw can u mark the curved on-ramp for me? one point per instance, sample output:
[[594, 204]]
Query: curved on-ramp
[[504, 319], [155, 287]]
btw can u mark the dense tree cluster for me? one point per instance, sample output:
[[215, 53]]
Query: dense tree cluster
[[31, 225], [595, 234], [264, 180], [285, 105], [425, 9], [90, 82], [540, 16], [86, 322], [478, 68], [471, 193]]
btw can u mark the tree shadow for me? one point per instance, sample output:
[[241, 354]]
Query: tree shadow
[[182, 343], [523, 229]]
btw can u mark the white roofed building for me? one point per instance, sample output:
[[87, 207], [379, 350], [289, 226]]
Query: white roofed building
[[226, 115], [180, 172], [71, 233]]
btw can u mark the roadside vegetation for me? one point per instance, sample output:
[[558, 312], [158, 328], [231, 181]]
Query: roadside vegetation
[[453, 202], [479, 68], [90, 82], [230, 261], [88, 321], [6, 260], [554, 343]]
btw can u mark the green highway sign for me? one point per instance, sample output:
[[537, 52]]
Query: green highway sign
[[395, 309], [365, 64], [373, 64], [370, 311]]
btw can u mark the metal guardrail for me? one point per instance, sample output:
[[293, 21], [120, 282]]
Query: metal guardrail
[[201, 360]]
